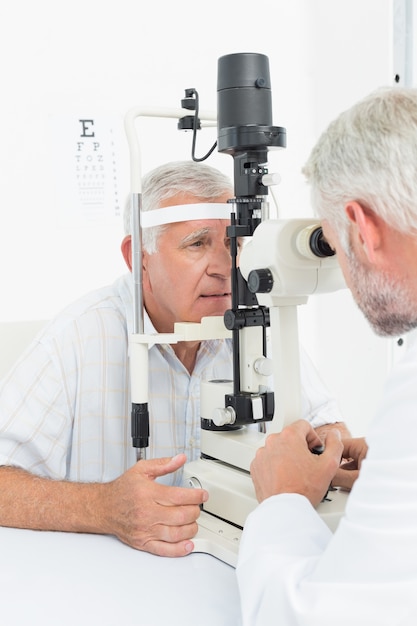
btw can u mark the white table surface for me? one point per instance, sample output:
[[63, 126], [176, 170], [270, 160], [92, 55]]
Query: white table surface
[[58, 579]]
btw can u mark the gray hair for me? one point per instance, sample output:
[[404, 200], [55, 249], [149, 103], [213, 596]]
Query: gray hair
[[164, 182], [369, 155]]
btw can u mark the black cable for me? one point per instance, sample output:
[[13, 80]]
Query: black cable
[[196, 122]]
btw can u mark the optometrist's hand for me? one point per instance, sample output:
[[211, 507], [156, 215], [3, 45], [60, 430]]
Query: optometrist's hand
[[152, 517], [354, 451], [286, 464]]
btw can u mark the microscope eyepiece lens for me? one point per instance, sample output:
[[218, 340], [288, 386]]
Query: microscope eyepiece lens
[[319, 245]]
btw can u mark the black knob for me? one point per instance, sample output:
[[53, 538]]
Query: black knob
[[260, 281]]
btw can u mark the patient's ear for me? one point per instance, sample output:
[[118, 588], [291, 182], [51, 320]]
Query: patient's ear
[[126, 248], [366, 229]]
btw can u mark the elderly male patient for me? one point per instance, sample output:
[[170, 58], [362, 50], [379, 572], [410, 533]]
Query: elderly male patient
[[65, 447]]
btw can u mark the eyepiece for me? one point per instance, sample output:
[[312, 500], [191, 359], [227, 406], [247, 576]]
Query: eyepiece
[[319, 245], [312, 243]]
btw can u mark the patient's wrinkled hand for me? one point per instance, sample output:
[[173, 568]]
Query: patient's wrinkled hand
[[149, 516]]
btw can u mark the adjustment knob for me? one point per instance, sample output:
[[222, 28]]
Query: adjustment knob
[[194, 482], [222, 417], [260, 281], [271, 179]]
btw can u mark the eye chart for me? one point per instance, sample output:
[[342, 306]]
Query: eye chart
[[90, 165]]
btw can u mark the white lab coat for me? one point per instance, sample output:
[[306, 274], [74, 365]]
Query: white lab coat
[[293, 571]]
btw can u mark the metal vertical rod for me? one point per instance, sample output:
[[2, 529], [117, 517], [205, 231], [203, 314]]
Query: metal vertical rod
[[138, 351], [403, 42], [136, 235]]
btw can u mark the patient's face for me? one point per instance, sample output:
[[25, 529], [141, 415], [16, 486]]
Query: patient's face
[[189, 277]]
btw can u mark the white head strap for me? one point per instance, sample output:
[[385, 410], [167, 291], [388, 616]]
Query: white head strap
[[185, 213]]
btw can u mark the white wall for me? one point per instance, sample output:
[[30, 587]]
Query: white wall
[[91, 59]]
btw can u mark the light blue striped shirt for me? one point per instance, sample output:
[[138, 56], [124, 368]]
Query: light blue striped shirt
[[65, 405]]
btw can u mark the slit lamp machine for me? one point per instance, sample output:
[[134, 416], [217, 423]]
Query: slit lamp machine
[[280, 266]]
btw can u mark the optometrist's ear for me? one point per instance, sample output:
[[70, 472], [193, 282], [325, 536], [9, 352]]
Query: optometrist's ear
[[126, 248], [366, 229]]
